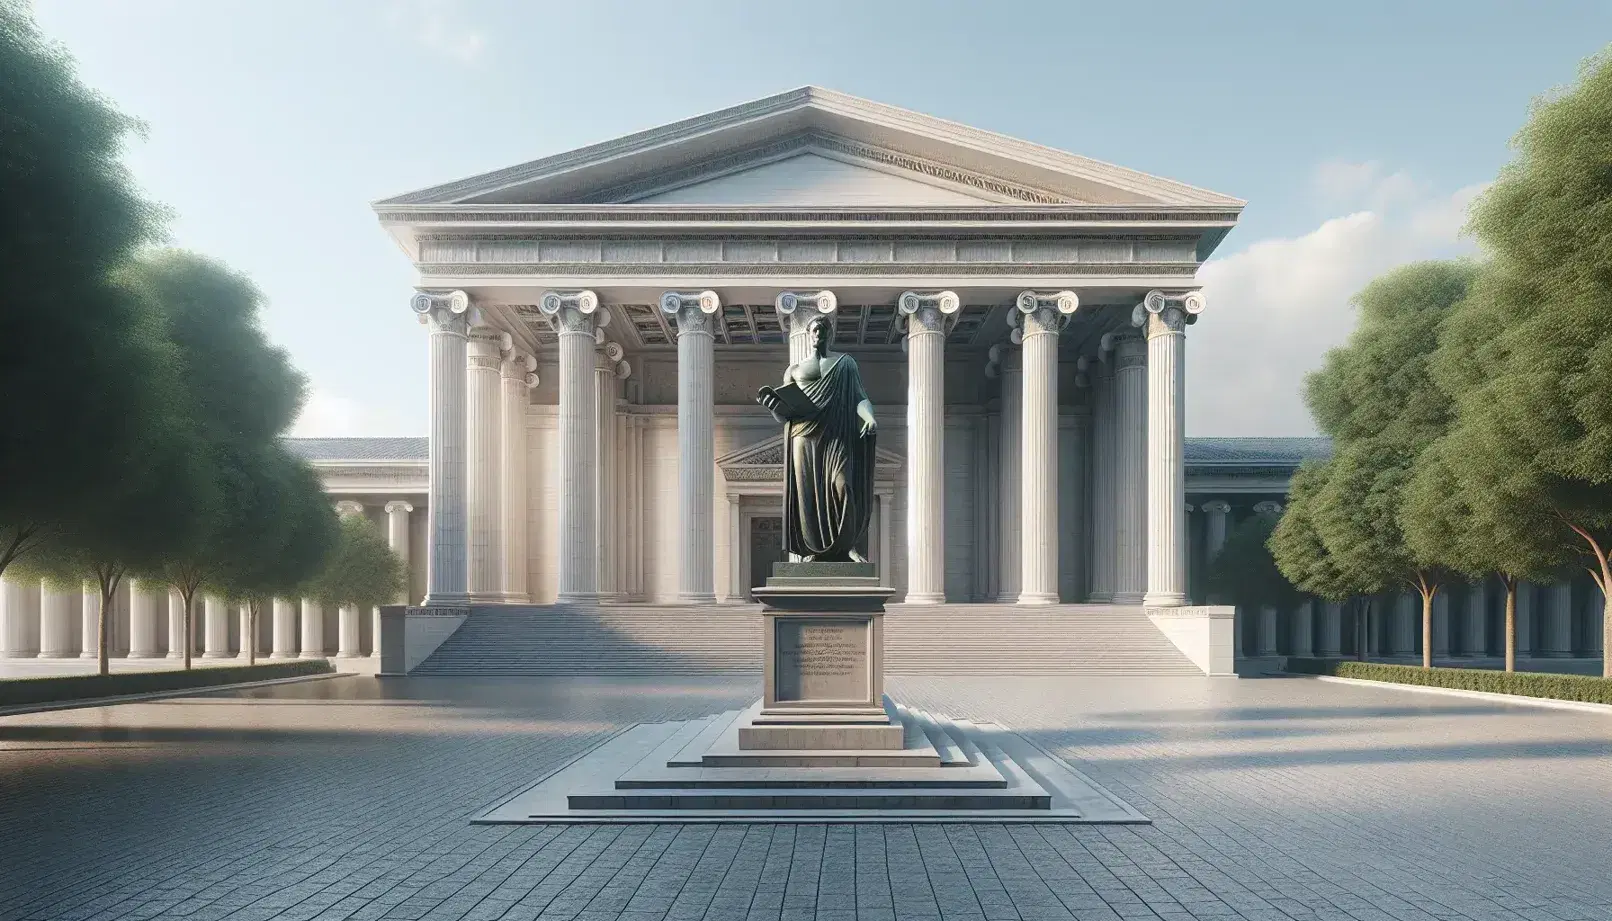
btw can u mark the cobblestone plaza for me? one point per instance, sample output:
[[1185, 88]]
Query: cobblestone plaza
[[351, 798]]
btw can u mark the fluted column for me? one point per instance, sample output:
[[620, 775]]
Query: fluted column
[[1304, 629], [57, 609], [313, 629], [397, 536], [1102, 477], [1164, 320], [1130, 469], [1476, 641], [1010, 571], [19, 617], [1037, 320], [248, 645], [927, 320], [89, 634], [609, 369], [517, 377], [215, 628], [484, 555], [577, 317], [446, 574], [1557, 635], [285, 628], [736, 586], [177, 638], [145, 601], [694, 314], [1329, 641]]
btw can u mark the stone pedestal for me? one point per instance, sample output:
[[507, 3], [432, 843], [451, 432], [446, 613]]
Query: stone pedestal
[[823, 662]]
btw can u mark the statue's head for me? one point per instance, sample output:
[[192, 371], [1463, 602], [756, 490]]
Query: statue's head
[[820, 332]]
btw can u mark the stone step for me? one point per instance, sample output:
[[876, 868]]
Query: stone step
[[822, 799]]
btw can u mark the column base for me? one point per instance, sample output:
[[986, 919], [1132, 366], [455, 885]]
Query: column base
[[1128, 597], [89, 655], [696, 598], [55, 655], [217, 655], [577, 598], [1100, 597], [312, 655], [446, 599], [282, 655], [177, 655], [1164, 599], [1006, 598], [1037, 598], [143, 655], [349, 655], [924, 598]]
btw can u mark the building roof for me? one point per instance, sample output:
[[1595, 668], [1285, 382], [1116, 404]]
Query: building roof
[[992, 166], [360, 449], [1261, 452]]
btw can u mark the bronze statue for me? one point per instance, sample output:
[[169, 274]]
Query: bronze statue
[[828, 452]]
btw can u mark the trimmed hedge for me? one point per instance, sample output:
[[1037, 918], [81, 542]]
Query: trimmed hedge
[[21, 691], [1523, 684]]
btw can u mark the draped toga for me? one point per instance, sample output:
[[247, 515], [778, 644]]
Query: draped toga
[[828, 467]]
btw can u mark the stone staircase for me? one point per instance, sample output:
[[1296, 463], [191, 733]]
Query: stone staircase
[[953, 639]]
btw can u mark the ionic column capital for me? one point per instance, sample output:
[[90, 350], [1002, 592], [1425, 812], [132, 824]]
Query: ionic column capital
[[797, 308], [928, 312], [1268, 507], [347, 507], [574, 313], [519, 365], [1216, 507], [1036, 313], [399, 506], [693, 312], [1163, 314], [447, 312], [611, 360], [1126, 349]]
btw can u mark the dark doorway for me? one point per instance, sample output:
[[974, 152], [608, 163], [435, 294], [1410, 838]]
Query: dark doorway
[[766, 546]]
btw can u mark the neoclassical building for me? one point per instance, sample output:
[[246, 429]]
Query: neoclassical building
[[597, 324], [600, 320]]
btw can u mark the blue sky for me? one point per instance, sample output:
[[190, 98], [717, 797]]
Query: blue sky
[[1357, 132]]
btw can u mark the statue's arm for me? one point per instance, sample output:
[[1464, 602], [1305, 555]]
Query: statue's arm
[[864, 411]]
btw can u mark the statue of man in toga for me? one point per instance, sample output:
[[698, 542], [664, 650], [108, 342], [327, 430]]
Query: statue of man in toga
[[828, 452]]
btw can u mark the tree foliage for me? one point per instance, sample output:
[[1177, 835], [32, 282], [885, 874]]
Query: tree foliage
[[362, 571], [1244, 573], [1533, 442], [73, 346]]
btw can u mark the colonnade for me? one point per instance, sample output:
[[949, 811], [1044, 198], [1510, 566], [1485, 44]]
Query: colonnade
[[38, 618], [476, 426]]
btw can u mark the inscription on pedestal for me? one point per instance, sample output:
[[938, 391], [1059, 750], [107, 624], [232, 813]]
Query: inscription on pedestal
[[822, 660]]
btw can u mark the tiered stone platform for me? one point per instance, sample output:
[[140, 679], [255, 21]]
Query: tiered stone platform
[[823, 744], [694, 771]]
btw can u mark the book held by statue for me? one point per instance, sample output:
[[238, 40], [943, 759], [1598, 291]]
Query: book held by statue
[[796, 404]]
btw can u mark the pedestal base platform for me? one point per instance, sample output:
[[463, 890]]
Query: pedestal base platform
[[693, 771]]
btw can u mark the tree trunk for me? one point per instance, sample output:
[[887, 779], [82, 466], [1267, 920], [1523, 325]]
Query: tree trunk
[[1427, 626], [1606, 633], [190, 631], [1511, 622], [108, 589]]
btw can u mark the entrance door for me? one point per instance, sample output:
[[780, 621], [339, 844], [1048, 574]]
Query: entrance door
[[766, 546]]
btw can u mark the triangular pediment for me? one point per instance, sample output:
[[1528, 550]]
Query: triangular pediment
[[811, 178], [769, 453], [813, 146]]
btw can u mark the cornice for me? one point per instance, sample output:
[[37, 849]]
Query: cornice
[[717, 270], [527, 217]]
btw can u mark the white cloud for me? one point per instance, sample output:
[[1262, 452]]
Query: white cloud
[[438, 26], [1279, 304]]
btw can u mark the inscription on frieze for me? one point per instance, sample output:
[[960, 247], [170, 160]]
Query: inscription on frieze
[[821, 660]]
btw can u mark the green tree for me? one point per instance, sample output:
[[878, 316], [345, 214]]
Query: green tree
[[1377, 398], [363, 570], [168, 487], [1244, 573], [242, 393], [294, 537], [71, 340], [1541, 415]]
